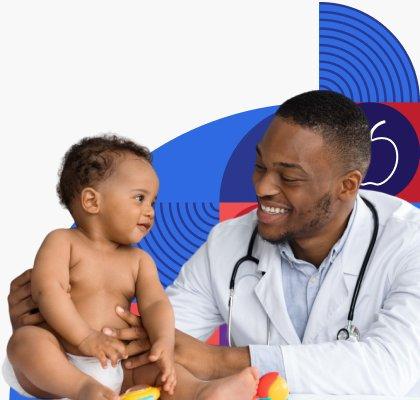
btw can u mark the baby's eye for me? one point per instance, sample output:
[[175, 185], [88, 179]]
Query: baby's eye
[[139, 198]]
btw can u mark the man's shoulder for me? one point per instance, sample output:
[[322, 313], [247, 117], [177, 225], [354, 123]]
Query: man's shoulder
[[235, 227], [400, 220], [392, 209]]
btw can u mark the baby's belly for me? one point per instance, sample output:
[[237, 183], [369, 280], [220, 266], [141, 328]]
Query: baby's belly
[[98, 310]]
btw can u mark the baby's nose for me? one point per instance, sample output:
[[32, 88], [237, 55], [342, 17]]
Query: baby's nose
[[150, 212]]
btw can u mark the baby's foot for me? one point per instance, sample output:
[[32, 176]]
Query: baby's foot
[[93, 390], [242, 386]]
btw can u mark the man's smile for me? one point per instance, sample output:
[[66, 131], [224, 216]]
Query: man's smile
[[273, 210], [269, 212]]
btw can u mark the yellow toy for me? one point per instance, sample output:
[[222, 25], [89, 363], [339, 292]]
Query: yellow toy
[[148, 393], [272, 387]]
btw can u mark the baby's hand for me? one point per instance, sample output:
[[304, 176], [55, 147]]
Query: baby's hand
[[162, 352], [104, 348]]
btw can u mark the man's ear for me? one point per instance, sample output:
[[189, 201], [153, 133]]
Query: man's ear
[[350, 184], [90, 200]]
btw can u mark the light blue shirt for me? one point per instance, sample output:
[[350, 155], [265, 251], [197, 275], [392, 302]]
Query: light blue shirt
[[301, 284]]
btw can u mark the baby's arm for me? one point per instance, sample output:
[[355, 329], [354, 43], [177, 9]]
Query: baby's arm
[[50, 282], [157, 318]]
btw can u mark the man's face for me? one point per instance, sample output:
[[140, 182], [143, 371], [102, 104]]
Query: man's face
[[295, 182]]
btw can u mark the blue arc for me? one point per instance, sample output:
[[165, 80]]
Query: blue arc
[[351, 35]]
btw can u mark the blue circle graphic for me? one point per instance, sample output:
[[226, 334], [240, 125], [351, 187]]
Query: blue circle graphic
[[395, 149]]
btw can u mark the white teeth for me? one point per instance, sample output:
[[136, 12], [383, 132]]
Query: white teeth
[[273, 210]]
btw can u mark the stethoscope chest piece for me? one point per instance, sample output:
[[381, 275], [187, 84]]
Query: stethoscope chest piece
[[349, 333]]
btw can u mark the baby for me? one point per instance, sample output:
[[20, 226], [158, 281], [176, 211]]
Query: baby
[[80, 276]]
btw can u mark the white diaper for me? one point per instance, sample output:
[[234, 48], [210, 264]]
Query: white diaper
[[111, 377]]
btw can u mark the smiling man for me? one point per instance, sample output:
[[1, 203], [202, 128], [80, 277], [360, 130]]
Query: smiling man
[[306, 183], [314, 230]]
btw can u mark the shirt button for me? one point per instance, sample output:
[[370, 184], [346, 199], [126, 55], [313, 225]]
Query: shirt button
[[312, 280]]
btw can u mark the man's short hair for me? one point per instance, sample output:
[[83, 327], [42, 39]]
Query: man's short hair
[[341, 123], [92, 160]]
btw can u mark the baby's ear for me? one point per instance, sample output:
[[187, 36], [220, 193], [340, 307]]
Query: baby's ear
[[90, 200]]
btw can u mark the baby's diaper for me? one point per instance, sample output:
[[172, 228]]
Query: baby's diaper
[[111, 377]]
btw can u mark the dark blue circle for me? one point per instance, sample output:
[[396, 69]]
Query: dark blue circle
[[401, 132]]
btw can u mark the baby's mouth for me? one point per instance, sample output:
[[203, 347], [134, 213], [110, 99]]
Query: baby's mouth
[[144, 227]]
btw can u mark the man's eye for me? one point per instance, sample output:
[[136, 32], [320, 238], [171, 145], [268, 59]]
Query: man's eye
[[139, 198], [286, 179], [259, 167]]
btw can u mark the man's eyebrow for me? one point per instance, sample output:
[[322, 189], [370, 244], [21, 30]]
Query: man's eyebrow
[[289, 165], [283, 164]]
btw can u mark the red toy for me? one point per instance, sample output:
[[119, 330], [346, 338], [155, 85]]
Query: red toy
[[272, 387]]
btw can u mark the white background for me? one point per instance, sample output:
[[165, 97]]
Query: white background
[[147, 70]]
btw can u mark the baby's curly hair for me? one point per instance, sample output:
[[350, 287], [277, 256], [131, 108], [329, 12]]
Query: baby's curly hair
[[92, 160]]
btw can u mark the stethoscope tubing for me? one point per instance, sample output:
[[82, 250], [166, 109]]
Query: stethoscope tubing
[[365, 260], [249, 257]]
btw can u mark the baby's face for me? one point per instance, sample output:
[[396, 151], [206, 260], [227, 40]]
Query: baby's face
[[127, 200]]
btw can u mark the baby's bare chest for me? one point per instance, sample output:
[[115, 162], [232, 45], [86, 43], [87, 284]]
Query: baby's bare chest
[[93, 274]]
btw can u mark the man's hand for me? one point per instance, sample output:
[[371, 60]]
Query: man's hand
[[104, 348], [139, 344], [162, 352], [203, 360], [22, 309]]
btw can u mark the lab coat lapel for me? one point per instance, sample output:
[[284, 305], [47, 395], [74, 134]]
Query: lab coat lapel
[[337, 289], [269, 291]]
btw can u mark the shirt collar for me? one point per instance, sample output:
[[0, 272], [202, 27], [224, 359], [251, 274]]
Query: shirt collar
[[287, 252]]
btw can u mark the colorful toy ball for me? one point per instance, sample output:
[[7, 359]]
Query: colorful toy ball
[[272, 386], [148, 393]]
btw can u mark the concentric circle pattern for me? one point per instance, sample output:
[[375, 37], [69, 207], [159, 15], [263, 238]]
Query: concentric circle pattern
[[179, 230], [360, 58]]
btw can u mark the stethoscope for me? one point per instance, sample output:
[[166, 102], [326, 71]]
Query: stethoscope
[[350, 331]]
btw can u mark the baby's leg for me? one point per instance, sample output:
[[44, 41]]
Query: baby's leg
[[43, 370], [241, 386]]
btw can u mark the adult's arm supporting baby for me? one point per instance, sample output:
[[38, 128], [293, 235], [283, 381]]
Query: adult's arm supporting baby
[[50, 288], [22, 309]]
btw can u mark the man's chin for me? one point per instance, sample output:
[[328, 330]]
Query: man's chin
[[274, 236]]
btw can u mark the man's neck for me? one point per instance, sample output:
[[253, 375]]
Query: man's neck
[[316, 248]]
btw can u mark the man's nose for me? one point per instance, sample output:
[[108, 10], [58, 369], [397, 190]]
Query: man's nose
[[266, 185]]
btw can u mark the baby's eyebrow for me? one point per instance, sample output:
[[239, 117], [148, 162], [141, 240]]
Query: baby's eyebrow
[[140, 190]]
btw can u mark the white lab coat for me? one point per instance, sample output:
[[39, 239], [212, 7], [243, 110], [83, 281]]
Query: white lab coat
[[386, 361]]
